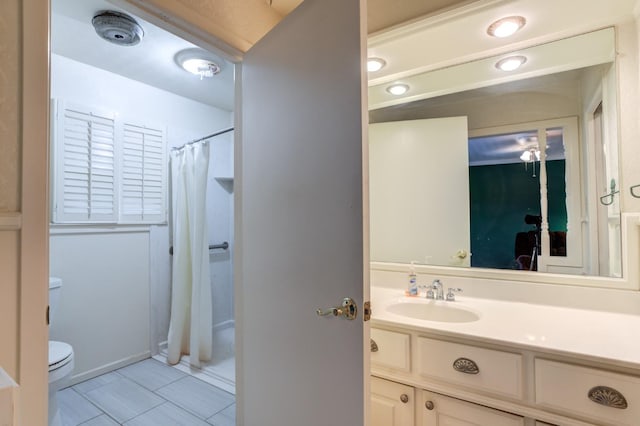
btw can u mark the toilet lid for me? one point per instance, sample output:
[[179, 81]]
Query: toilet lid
[[60, 353]]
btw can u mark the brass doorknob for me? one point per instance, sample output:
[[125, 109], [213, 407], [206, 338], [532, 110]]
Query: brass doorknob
[[348, 310]]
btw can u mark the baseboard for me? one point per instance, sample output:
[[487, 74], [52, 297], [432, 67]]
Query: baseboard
[[107, 368]]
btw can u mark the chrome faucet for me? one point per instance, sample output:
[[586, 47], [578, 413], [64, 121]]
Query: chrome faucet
[[436, 291]]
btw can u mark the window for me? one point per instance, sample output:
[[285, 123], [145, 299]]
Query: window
[[106, 169], [143, 169]]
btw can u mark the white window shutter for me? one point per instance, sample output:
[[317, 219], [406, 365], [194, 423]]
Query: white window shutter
[[86, 188], [143, 182]]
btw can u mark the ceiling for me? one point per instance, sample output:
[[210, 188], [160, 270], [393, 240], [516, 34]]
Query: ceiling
[[409, 38], [457, 36], [152, 61], [383, 14]]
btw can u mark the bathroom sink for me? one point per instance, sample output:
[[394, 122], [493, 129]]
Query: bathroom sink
[[433, 311]]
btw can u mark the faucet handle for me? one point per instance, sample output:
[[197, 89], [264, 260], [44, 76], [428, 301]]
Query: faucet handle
[[450, 296]]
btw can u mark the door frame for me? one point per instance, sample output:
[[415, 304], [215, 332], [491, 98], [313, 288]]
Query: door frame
[[33, 247], [32, 346]]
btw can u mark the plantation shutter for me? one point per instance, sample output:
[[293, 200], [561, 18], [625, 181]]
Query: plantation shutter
[[86, 188], [143, 174]]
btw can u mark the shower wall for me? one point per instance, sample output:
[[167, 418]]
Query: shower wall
[[220, 215], [98, 308]]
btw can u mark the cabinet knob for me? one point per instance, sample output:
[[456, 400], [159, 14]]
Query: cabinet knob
[[429, 405], [374, 346], [404, 398]]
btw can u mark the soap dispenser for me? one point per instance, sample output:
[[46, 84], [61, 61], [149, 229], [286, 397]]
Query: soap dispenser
[[412, 289]]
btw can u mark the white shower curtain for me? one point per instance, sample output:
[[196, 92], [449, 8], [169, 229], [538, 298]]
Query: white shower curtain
[[190, 328]]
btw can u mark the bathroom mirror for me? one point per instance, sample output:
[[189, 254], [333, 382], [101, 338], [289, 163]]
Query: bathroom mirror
[[513, 171]]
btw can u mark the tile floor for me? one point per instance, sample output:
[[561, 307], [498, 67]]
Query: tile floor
[[148, 393]]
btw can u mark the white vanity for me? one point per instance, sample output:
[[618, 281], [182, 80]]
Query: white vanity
[[491, 363], [547, 330]]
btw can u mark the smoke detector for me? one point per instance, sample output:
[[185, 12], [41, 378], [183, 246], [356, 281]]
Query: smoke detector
[[118, 28]]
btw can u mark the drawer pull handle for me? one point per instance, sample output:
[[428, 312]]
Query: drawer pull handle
[[374, 346], [465, 365], [404, 398], [429, 405], [609, 397]]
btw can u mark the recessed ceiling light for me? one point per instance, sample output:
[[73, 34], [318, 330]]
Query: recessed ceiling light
[[375, 64], [398, 89], [511, 63], [506, 26], [199, 62]]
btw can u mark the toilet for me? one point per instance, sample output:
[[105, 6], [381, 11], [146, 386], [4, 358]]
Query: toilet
[[60, 357]]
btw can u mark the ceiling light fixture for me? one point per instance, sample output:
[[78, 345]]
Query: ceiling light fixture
[[398, 89], [199, 62], [511, 63], [375, 64], [531, 155], [506, 27]]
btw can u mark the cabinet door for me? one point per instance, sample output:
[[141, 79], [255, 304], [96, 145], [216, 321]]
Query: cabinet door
[[440, 410], [392, 404]]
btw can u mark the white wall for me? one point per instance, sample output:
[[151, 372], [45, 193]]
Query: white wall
[[148, 261], [220, 210], [104, 307]]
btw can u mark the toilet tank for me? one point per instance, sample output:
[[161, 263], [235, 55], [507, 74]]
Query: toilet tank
[[55, 286]]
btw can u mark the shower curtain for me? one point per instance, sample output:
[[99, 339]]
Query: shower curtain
[[190, 327]]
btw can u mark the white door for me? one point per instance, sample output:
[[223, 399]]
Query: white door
[[419, 174], [300, 220]]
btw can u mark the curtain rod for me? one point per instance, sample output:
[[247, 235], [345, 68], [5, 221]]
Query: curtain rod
[[218, 133]]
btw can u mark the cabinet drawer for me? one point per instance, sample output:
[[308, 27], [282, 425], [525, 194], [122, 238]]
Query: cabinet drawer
[[436, 409], [566, 387], [390, 349], [483, 369]]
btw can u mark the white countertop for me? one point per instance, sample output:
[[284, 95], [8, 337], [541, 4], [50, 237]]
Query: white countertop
[[600, 336]]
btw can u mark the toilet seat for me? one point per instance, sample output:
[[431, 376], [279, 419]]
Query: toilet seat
[[60, 356]]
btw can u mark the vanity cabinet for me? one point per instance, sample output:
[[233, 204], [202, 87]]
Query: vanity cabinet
[[464, 381], [392, 404]]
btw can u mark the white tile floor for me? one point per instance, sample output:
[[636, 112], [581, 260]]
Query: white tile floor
[[148, 393]]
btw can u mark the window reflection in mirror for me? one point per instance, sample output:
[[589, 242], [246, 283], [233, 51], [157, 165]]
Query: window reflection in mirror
[[518, 189], [505, 198]]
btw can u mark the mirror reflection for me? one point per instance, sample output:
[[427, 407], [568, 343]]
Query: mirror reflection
[[518, 176]]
